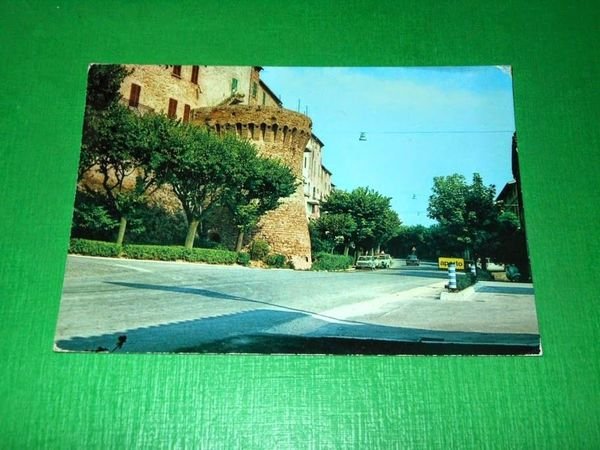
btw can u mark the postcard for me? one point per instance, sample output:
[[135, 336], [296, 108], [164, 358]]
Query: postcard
[[298, 210]]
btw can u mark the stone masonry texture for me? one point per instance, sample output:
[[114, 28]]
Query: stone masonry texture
[[277, 133]]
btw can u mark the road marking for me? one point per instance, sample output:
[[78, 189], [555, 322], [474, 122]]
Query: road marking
[[379, 304], [132, 268], [354, 311]]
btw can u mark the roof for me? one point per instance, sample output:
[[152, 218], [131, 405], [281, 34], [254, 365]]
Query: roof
[[508, 187], [270, 92], [314, 136]]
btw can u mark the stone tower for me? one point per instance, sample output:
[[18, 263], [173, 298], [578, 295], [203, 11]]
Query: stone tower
[[277, 133]]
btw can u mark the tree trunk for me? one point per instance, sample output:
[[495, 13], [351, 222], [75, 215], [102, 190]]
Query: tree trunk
[[346, 249], [191, 234], [122, 227], [378, 248], [240, 241]]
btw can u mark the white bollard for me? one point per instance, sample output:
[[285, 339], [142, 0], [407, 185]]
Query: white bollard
[[452, 276]]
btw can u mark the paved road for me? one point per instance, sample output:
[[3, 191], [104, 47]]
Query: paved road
[[166, 306]]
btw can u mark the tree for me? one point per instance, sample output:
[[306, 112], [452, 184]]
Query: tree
[[103, 83], [409, 237], [387, 228], [115, 144], [467, 213], [115, 141], [335, 229], [196, 163], [371, 212], [254, 185]]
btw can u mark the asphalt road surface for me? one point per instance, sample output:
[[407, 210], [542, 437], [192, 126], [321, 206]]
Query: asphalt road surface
[[185, 307]]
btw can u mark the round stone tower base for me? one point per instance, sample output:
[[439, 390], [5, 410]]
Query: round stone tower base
[[281, 134]]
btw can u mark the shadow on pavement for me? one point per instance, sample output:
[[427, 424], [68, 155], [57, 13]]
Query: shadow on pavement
[[415, 273], [246, 332], [220, 295]]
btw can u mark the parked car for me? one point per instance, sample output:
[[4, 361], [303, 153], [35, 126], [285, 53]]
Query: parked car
[[512, 273], [366, 262], [412, 260], [491, 266], [384, 261]]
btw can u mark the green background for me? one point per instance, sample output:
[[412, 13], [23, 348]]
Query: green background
[[50, 400]]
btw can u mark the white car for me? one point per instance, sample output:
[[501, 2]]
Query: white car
[[384, 261], [366, 262]]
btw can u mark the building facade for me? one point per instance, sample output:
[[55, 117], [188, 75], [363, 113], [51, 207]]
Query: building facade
[[235, 99], [177, 90], [316, 178]]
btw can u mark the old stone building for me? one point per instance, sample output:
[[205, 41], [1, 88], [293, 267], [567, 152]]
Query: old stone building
[[177, 90], [316, 177], [278, 133], [235, 99]]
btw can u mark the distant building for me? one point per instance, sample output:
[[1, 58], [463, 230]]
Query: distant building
[[316, 177]]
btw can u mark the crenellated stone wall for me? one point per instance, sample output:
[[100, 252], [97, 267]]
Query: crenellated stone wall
[[277, 133]]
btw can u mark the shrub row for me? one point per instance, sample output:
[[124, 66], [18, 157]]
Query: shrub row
[[94, 248], [327, 261], [157, 252]]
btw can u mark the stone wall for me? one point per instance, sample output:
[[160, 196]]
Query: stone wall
[[158, 85], [277, 133]]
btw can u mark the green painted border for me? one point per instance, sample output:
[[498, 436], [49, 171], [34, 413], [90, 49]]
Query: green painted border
[[50, 400]]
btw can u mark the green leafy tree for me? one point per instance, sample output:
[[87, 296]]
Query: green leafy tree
[[255, 185], [409, 237], [196, 164], [115, 141], [387, 228], [332, 229], [116, 144], [371, 211], [103, 83], [466, 213]]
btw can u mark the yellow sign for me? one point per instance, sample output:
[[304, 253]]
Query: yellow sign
[[443, 263]]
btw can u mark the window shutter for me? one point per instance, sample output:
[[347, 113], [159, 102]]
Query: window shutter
[[134, 95], [186, 113], [195, 74], [172, 112]]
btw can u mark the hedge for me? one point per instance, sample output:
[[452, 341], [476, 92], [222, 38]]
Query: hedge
[[327, 261], [94, 248], [155, 252]]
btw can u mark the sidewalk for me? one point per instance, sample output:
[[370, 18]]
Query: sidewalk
[[487, 307]]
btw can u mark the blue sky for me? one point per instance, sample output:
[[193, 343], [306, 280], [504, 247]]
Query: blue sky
[[419, 123]]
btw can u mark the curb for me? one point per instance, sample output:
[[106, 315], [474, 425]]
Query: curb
[[465, 294]]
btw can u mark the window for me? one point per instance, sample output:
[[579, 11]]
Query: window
[[254, 90], [186, 113], [195, 70], [134, 95], [177, 71], [172, 113], [234, 85]]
